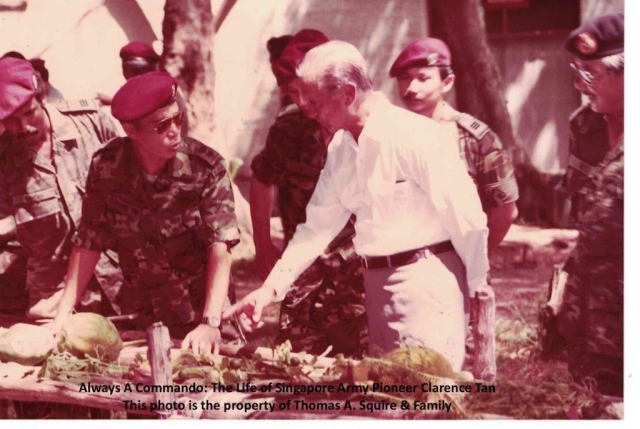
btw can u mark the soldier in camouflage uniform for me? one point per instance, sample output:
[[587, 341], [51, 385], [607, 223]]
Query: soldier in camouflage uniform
[[326, 306], [591, 314], [165, 205], [424, 76], [44, 158]]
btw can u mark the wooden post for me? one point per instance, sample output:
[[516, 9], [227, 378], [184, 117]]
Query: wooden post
[[551, 342], [484, 364], [159, 355]]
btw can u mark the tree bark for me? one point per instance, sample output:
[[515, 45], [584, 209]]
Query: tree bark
[[479, 85], [188, 34]]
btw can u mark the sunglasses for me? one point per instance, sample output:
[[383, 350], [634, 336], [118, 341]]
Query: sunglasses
[[585, 76], [164, 125]]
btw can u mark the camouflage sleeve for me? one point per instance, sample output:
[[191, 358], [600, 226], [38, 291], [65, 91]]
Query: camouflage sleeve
[[496, 177], [107, 128], [5, 206], [217, 208], [268, 166], [94, 230], [601, 231]]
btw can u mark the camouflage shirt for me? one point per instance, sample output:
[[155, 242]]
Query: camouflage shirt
[[591, 317], [588, 144], [160, 228], [488, 163], [45, 196], [326, 305]]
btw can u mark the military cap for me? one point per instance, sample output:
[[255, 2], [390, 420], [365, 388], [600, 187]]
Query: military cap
[[301, 43], [138, 50], [142, 95], [598, 37], [423, 52], [18, 85]]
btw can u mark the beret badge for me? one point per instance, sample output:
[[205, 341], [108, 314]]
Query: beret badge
[[586, 44], [432, 59]]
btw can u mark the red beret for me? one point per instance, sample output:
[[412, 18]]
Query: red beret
[[142, 95], [139, 50], [598, 37], [18, 85], [424, 52], [301, 43]]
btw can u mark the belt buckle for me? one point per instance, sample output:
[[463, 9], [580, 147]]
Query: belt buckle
[[365, 264], [388, 258]]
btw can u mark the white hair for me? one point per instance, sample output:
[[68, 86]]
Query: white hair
[[614, 63], [335, 64]]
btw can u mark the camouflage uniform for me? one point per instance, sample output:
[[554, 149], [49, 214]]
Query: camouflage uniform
[[160, 228], [591, 316], [45, 199], [588, 144], [326, 305], [13, 279], [488, 164]]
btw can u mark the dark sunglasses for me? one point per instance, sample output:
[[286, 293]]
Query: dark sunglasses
[[164, 125], [587, 77]]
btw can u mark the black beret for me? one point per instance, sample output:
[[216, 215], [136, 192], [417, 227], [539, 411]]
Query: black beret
[[598, 37]]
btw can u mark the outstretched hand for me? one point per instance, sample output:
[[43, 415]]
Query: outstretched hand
[[249, 309]]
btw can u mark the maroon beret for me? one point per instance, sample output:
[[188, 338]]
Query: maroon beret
[[18, 85], [139, 50], [598, 37], [424, 52], [301, 43], [142, 95]]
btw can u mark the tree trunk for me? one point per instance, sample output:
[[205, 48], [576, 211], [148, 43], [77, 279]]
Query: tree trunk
[[479, 85], [188, 33]]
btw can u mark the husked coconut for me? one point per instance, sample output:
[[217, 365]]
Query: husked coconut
[[90, 334], [26, 344]]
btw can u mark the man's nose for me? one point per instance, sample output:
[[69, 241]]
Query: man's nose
[[413, 87]]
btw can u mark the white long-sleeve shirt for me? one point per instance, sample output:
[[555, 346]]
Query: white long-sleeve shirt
[[407, 186]]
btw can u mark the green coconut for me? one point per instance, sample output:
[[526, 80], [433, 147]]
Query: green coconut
[[26, 344], [90, 334]]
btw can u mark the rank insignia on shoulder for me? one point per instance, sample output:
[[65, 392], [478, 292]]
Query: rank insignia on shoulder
[[477, 128], [71, 106]]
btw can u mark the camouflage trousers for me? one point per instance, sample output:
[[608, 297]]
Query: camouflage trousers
[[326, 307]]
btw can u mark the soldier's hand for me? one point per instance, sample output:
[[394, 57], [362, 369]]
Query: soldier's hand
[[56, 326], [266, 258], [249, 309], [202, 340]]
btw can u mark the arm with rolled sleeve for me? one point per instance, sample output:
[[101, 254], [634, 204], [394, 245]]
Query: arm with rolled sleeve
[[438, 170], [326, 216], [217, 210]]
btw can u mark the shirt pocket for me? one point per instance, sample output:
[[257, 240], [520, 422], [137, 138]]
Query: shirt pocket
[[179, 239], [38, 221], [400, 196]]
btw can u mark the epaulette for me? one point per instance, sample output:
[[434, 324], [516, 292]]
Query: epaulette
[[474, 126], [578, 112], [204, 152], [77, 106]]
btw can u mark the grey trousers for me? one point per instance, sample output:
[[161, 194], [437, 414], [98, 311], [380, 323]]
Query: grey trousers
[[424, 304]]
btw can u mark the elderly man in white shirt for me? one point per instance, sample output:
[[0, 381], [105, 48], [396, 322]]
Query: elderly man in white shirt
[[420, 230]]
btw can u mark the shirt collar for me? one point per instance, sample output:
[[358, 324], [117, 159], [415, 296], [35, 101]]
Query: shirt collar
[[179, 166]]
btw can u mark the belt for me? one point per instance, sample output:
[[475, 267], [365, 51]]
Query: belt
[[404, 258]]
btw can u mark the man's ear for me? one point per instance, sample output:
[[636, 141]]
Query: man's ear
[[350, 91], [129, 128], [448, 82]]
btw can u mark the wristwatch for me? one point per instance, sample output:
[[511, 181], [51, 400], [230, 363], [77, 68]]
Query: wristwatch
[[212, 321]]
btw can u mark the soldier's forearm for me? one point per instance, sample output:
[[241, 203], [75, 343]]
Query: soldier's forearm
[[82, 264], [217, 279], [7, 228], [261, 199], [499, 220]]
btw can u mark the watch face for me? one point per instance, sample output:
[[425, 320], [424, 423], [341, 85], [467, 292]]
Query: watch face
[[213, 321]]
